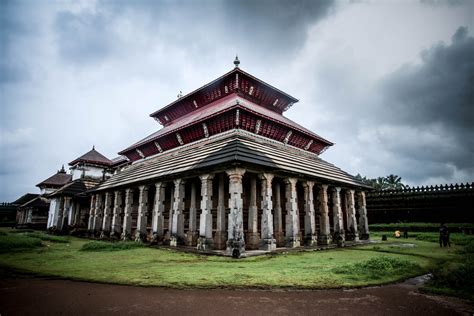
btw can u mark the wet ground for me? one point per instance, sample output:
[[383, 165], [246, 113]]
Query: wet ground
[[38, 296]]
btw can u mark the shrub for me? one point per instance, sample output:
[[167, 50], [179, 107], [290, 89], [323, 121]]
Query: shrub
[[108, 246], [15, 242], [375, 268], [51, 238]]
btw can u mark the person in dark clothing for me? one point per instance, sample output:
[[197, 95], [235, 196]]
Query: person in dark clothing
[[443, 231], [405, 232]]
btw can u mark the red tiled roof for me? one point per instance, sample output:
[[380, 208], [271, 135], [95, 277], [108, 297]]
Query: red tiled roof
[[220, 106], [94, 157]]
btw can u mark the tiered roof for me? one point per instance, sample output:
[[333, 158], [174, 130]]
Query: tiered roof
[[92, 157], [57, 180], [235, 100]]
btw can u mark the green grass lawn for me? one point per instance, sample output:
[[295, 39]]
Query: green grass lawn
[[124, 263]]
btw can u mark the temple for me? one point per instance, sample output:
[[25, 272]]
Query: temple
[[227, 172]]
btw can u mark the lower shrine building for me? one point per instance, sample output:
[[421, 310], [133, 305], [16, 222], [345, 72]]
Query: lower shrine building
[[228, 171]]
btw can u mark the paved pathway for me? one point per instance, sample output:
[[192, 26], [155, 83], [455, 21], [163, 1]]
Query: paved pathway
[[34, 296]]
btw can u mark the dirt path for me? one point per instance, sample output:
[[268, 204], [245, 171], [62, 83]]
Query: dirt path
[[53, 297]]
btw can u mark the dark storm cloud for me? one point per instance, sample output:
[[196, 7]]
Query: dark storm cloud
[[430, 108], [268, 28], [83, 37]]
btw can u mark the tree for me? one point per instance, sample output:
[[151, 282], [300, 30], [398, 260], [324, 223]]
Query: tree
[[390, 182]]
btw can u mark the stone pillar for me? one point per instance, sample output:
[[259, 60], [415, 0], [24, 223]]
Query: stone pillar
[[363, 221], [253, 239], [292, 221], [170, 215], [63, 225], [337, 216], [267, 241], [220, 237], [127, 216], [91, 214], [325, 233], [192, 234], [177, 228], [77, 215], [140, 233], [235, 230], [352, 233], [99, 214], [107, 221], [278, 221], [158, 219], [310, 235], [117, 216], [58, 218], [71, 213], [205, 241]]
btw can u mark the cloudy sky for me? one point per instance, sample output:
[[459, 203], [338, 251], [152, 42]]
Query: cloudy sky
[[390, 82]]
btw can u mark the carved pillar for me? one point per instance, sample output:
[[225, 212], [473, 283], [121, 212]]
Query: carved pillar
[[253, 239], [77, 215], [91, 214], [107, 221], [220, 237], [337, 216], [352, 233], [99, 214], [58, 216], [277, 219], [127, 216], [192, 234], [140, 233], [267, 242], [325, 233], [205, 241], [63, 225], [170, 215], [117, 216], [71, 213], [363, 221], [310, 235], [292, 222], [177, 228], [158, 218], [235, 230]]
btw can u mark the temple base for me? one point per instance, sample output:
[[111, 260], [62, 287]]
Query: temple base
[[324, 240], [310, 241], [220, 240], [268, 244], [205, 244], [292, 242], [235, 248]]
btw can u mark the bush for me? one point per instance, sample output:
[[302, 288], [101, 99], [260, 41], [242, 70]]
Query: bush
[[107, 246], [45, 237], [11, 243], [377, 267]]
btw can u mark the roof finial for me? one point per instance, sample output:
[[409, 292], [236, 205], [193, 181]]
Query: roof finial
[[93, 147], [62, 170], [180, 94], [236, 61]]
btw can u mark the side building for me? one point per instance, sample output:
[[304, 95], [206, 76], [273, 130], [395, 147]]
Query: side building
[[69, 204]]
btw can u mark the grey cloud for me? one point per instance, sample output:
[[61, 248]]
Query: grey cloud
[[267, 28], [84, 37], [430, 108]]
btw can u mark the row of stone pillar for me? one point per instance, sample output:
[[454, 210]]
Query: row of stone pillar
[[107, 218]]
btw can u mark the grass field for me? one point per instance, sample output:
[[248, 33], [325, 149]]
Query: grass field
[[129, 263]]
